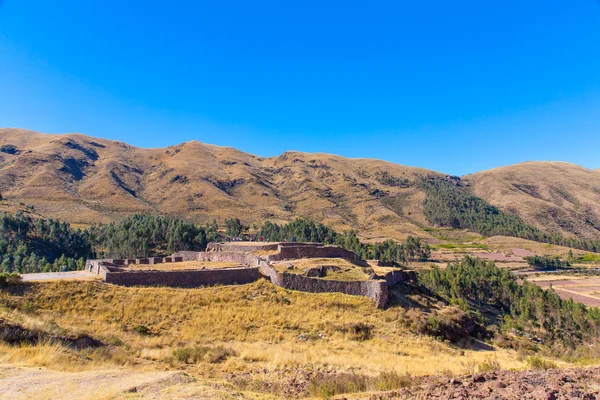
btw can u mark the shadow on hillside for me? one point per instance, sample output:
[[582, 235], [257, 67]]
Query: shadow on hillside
[[424, 313]]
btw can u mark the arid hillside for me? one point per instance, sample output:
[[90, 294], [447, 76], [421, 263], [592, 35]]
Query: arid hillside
[[84, 180], [553, 196]]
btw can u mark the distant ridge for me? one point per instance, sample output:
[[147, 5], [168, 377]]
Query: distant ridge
[[83, 180]]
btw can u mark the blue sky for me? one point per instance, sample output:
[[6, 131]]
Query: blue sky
[[455, 86]]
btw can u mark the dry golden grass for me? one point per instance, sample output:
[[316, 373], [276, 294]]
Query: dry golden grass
[[348, 271], [189, 179], [267, 327]]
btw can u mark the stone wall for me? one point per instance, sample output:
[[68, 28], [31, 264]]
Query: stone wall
[[375, 289], [185, 279], [228, 256], [248, 248], [218, 256], [98, 267], [187, 255], [295, 251]]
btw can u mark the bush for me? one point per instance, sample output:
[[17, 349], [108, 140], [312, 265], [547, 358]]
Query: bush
[[195, 355], [537, 362], [358, 331], [546, 262], [452, 324], [7, 279], [142, 330], [489, 365], [327, 386]]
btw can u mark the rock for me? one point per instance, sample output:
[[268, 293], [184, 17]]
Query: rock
[[290, 266], [479, 378]]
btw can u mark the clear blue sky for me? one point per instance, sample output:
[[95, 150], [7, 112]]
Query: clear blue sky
[[455, 86]]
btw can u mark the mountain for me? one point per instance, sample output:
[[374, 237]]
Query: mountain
[[555, 197], [85, 180]]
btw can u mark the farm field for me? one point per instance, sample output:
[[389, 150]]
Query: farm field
[[583, 289]]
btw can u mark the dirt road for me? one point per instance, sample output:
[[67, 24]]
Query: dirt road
[[58, 276]]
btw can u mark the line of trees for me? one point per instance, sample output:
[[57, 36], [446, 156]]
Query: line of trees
[[547, 262], [389, 251], [30, 245], [452, 206], [38, 245], [146, 235], [476, 284]]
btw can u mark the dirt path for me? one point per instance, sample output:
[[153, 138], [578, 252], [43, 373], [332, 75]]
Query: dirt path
[[20, 383], [58, 276]]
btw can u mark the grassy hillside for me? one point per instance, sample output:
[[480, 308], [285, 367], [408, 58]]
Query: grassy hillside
[[256, 337], [265, 341], [85, 180], [555, 197]]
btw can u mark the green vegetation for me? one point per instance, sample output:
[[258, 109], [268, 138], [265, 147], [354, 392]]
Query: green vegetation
[[453, 206], [234, 227], [547, 262], [145, 235], [195, 355], [536, 362], [474, 285], [461, 246], [412, 249], [301, 230], [589, 257], [34, 245], [7, 279]]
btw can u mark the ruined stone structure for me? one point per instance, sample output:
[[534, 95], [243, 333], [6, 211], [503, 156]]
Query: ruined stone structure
[[378, 289], [248, 248], [185, 279], [292, 251], [255, 267]]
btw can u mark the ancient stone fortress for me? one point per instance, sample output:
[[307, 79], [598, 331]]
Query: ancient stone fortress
[[256, 262]]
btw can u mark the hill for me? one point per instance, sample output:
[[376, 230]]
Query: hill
[[84, 180], [555, 197]]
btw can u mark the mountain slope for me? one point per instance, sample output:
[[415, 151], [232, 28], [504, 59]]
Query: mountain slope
[[84, 180], [555, 197]]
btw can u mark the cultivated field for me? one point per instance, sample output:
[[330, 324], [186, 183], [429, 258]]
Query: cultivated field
[[583, 289]]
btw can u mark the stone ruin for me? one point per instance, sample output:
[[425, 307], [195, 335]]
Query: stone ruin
[[251, 268]]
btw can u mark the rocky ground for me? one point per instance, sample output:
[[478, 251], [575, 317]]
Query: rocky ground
[[564, 384]]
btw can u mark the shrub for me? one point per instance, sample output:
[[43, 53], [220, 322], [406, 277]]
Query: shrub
[[546, 262], [327, 386], [142, 330], [195, 355], [452, 324], [537, 362], [358, 331], [489, 365], [7, 279]]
